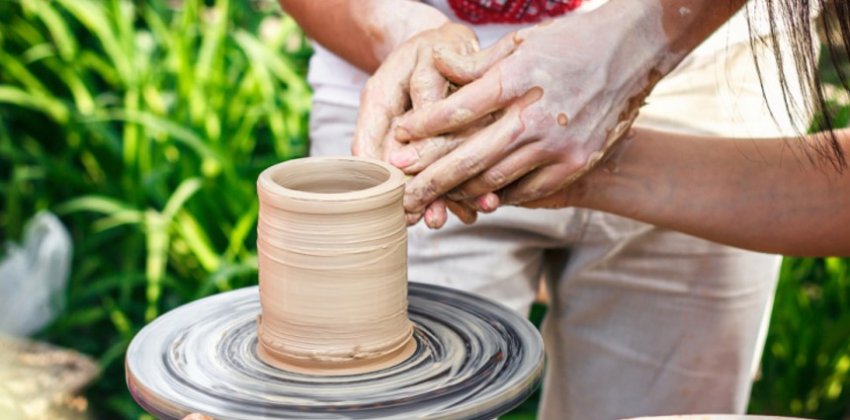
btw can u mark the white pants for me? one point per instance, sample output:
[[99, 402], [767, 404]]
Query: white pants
[[642, 321]]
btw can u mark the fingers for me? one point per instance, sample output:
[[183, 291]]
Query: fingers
[[390, 145], [413, 157], [463, 212], [511, 168], [373, 121], [486, 203], [412, 218], [483, 149], [384, 97], [427, 85], [466, 211], [435, 214], [463, 107], [463, 69]]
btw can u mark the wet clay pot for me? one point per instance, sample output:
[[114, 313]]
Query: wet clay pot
[[332, 249]]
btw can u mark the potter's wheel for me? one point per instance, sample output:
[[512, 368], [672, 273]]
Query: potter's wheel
[[474, 359]]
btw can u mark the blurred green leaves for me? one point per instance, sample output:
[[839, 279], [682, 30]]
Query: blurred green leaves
[[806, 365], [144, 124]]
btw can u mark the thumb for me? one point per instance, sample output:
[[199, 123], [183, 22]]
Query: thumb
[[462, 69]]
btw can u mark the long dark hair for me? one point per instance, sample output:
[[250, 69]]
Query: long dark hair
[[794, 27]]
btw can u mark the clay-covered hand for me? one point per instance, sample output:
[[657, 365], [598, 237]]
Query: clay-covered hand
[[406, 78], [560, 92], [419, 154]]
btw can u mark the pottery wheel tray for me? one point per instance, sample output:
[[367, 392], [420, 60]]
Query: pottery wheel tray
[[474, 359]]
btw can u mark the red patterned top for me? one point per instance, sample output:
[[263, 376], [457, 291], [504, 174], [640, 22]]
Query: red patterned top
[[510, 11]]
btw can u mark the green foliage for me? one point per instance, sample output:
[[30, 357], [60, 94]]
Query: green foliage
[[144, 125], [806, 365]]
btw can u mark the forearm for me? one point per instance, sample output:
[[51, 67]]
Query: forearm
[[764, 195], [363, 32], [654, 37], [673, 28], [687, 23]]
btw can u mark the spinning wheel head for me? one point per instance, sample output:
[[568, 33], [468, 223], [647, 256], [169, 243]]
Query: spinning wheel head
[[472, 359]]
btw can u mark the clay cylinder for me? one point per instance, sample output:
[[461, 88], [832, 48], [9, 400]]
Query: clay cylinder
[[332, 249]]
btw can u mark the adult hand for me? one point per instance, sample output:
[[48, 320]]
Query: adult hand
[[562, 92], [418, 154], [408, 78]]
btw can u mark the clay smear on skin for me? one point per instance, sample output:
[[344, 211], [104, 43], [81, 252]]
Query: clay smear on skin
[[332, 249]]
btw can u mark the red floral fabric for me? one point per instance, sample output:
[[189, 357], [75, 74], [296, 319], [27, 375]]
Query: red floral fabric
[[510, 11]]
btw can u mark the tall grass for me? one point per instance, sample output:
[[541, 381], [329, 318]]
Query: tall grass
[[144, 125]]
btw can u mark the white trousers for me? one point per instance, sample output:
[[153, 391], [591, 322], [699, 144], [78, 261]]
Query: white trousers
[[642, 320]]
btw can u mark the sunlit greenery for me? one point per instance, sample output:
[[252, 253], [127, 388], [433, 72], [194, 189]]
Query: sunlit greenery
[[144, 125], [806, 365]]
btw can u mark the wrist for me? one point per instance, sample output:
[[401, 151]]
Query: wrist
[[635, 55], [683, 24], [391, 23], [616, 183]]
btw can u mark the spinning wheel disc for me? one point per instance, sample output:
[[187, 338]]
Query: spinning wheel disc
[[474, 359]]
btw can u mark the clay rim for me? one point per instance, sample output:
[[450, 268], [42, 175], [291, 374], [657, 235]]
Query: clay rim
[[266, 182]]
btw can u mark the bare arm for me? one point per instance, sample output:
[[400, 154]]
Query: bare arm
[[765, 195], [363, 32]]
